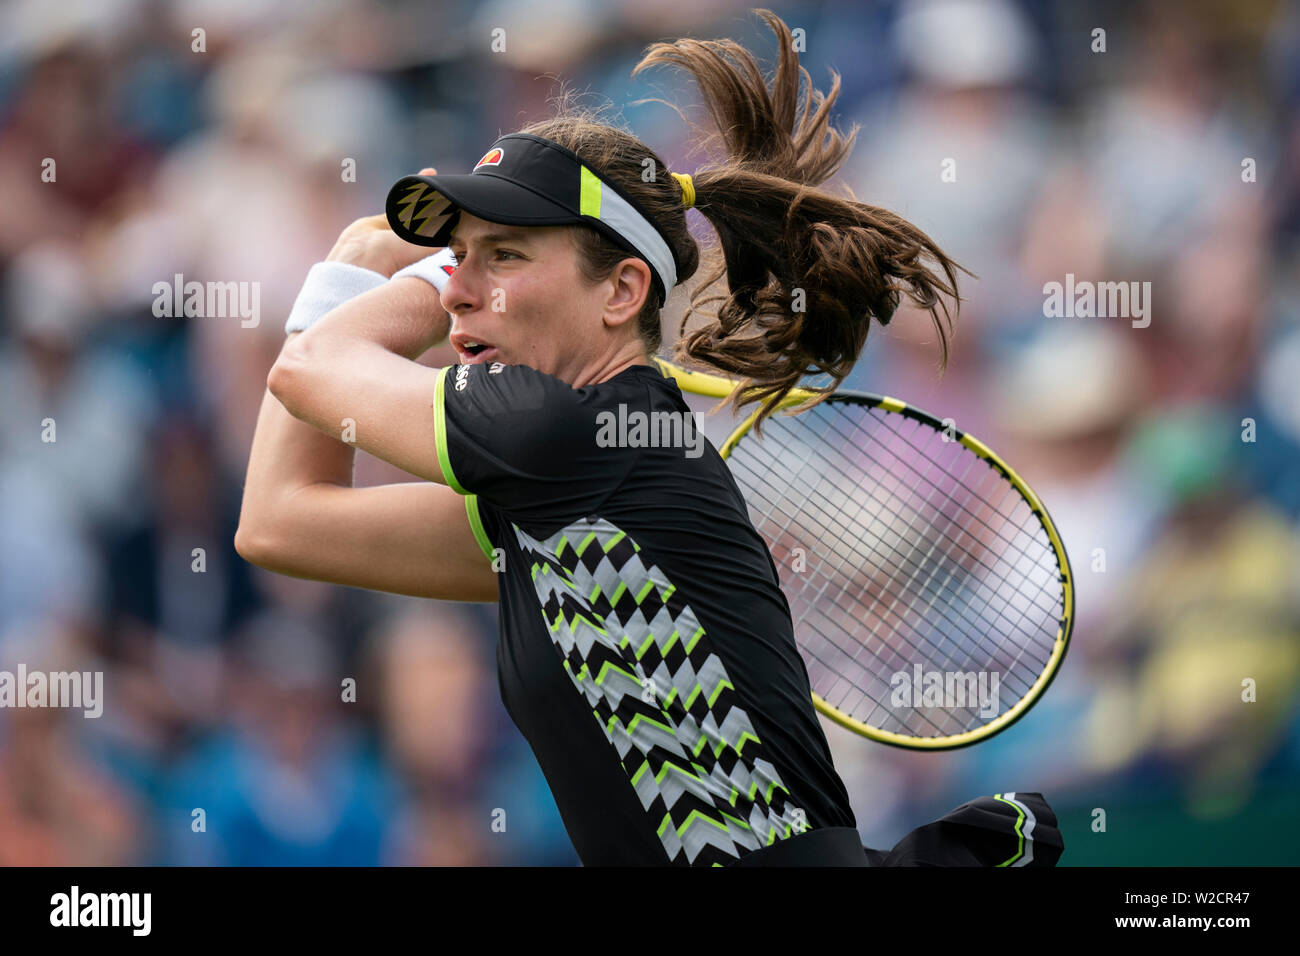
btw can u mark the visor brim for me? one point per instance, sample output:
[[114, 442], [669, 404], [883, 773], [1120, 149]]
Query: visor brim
[[424, 209]]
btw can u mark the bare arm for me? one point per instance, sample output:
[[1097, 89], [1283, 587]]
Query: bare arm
[[300, 514], [301, 517], [354, 374]]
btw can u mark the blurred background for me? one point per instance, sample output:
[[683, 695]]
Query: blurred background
[[1169, 455]]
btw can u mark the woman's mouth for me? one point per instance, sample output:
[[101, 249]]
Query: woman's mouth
[[476, 353]]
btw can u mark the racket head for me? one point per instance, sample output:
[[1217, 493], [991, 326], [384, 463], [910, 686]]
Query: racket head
[[956, 559]]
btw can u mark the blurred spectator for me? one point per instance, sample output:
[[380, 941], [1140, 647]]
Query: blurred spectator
[[1066, 404], [430, 687], [1215, 606], [77, 417], [62, 114], [58, 806], [177, 584], [289, 783]]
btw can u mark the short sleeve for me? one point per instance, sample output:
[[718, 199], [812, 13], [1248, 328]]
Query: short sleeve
[[523, 441]]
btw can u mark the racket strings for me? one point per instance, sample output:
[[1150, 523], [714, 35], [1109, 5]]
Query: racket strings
[[1004, 584], [952, 576], [821, 535], [810, 620], [848, 626], [971, 459], [845, 524], [1009, 637]]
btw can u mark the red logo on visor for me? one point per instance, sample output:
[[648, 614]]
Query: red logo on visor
[[491, 158]]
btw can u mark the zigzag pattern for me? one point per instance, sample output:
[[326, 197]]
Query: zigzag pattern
[[642, 660], [430, 217]]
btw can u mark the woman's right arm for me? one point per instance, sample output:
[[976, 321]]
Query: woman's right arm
[[301, 516]]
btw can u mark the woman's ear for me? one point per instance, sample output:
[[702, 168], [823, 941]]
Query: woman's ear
[[633, 286]]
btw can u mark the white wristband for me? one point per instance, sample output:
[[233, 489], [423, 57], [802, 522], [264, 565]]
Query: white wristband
[[329, 285], [435, 269]]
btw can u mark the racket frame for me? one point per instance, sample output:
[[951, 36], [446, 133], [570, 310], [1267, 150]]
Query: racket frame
[[714, 386]]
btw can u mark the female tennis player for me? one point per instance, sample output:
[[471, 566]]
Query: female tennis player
[[646, 649]]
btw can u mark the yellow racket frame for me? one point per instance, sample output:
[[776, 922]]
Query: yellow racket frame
[[715, 386]]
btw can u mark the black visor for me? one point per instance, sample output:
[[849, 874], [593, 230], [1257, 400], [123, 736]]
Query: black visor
[[524, 180]]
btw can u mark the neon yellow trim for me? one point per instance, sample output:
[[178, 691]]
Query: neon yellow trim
[[582, 545], [699, 632], [440, 431], [643, 719], [723, 684], [741, 431], [715, 386], [1020, 819], [611, 666], [589, 194], [697, 815], [476, 523], [669, 765], [736, 820]]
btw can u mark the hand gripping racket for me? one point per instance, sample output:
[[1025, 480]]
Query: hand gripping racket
[[931, 596]]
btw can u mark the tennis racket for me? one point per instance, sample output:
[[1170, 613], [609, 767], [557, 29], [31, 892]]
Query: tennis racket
[[931, 596]]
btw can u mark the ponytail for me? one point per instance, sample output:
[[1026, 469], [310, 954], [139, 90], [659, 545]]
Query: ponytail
[[806, 271]]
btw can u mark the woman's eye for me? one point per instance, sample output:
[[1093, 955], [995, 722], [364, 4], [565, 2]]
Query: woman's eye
[[460, 257]]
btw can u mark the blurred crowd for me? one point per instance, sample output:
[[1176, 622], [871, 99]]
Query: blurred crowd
[[253, 718]]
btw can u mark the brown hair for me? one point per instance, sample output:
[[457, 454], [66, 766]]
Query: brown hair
[[783, 241]]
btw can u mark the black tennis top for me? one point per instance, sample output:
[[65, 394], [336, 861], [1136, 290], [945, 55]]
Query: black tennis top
[[646, 649]]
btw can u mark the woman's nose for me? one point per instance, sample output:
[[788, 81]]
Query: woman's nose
[[455, 292]]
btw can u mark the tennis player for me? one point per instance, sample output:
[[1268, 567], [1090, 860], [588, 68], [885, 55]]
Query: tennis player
[[646, 649]]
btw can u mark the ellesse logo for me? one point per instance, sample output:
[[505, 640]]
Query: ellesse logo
[[491, 158]]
